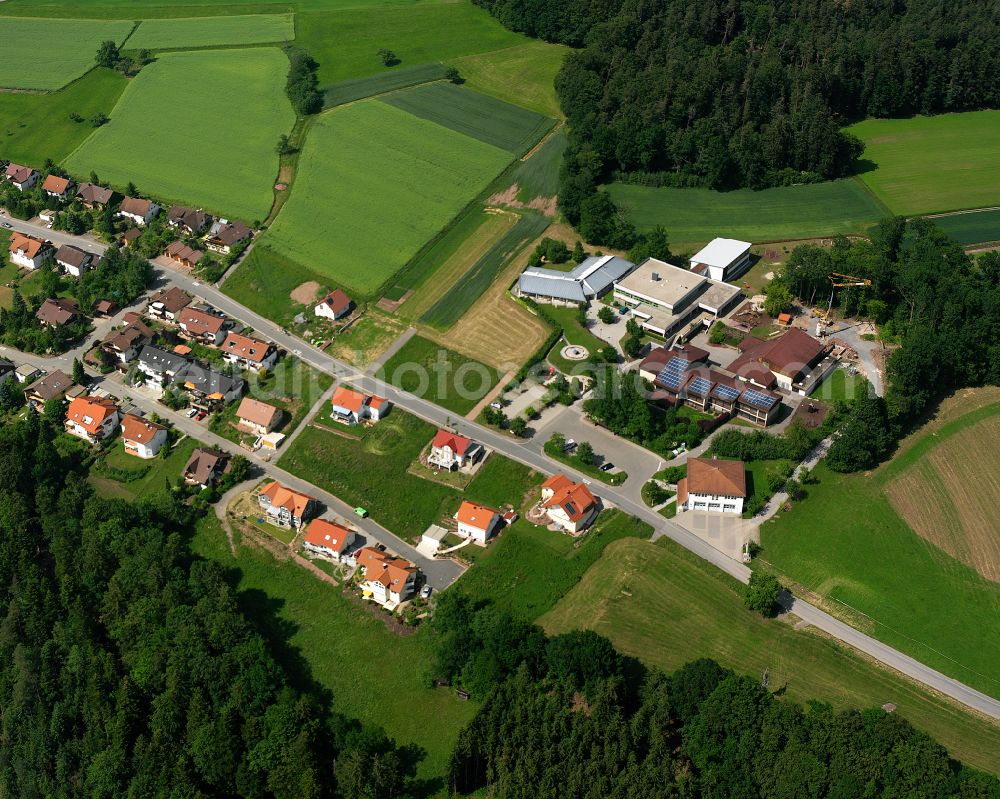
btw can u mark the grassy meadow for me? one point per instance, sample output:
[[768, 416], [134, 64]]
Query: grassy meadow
[[193, 32], [374, 184], [347, 91], [923, 165], [849, 546], [137, 477], [198, 127], [693, 217], [477, 115], [974, 227], [264, 282], [665, 606], [46, 54]]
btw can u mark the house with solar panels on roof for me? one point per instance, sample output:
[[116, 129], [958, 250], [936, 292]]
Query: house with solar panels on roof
[[590, 280]]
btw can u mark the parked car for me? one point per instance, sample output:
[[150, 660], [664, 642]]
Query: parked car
[[607, 467], [425, 592], [361, 512], [201, 415], [8, 225], [496, 405], [191, 413], [570, 445]]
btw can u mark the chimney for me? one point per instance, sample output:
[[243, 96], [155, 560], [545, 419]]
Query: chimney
[[655, 276]]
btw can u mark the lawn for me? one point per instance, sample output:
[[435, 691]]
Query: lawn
[[146, 476], [35, 127], [47, 54], [375, 676], [347, 91], [480, 116], [693, 217], [264, 282], [439, 375], [975, 227], [848, 545], [840, 385], [374, 184], [529, 569], [180, 148], [667, 607], [373, 473], [524, 75], [574, 333], [193, 32], [937, 163]]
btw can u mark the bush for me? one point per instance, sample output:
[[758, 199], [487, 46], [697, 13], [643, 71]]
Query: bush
[[762, 593]]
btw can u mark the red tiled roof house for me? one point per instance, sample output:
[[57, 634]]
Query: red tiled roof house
[[570, 506]]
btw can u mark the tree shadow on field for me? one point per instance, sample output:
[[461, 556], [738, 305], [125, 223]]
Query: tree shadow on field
[[862, 166]]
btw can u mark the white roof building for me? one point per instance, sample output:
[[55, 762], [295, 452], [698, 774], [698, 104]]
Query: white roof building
[[722, 259]]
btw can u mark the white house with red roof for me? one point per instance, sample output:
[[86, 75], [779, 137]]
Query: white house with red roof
[[328, 539], [570, 506], [388, 580], [21, 177], [334, 305], [58, 187], [452, 451], [352, 407], [92, 418], [284, 506], [477, 522], [142, 438], [27, 251], [248, 353]]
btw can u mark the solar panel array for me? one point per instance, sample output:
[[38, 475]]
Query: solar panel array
[[726, 393], [758, 399], [672, 375], [700, 386]]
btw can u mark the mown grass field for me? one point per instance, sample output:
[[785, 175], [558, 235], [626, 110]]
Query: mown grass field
[[848, 545], [347, 91], [938, 163], [181, 142], [47, 54], [523, 74], [663, 605], [145, 476], [34, 127], [971, 228], [374, 183], [192, 32], [439, 375], [692, 217], [840, 385], [317, 634], [480, 116]]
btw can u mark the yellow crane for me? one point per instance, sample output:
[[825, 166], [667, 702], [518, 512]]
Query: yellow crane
[[837, 281]]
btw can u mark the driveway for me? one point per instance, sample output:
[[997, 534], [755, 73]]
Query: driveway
[[727, 532], [851, 335]]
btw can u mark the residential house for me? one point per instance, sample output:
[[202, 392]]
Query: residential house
[[180, 253], [722, 259], [205, 467], [167, 304], [21, 177], [327, 539], [224, 236], [477, 522], [130, 235], [104, 308], [138, 210], [124, 344], [351, 407], [27, 374], [257, 417], [200, 325], [334, 305], [284, 506], [570, 506], [57, 312], [208, 388], [143, 438], [73, 260], [58, 187], [92, 418], [452, 451], [783, 361], [249, 353], [93, 196], [387, 579], [51, 387], [27, 251], [713, 485], [190, 220], [159, 366]]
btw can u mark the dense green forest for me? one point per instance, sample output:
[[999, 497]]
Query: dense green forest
[[729, 93], [569, 717], [128, 668]]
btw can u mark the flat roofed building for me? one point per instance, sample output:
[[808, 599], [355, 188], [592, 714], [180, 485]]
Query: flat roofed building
[[722, 259]]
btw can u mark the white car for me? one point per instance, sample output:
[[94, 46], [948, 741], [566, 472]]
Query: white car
[[425, 592], [191, 412]]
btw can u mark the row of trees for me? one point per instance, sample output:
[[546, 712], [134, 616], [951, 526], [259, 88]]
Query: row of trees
[[302, 86], [568, 716]]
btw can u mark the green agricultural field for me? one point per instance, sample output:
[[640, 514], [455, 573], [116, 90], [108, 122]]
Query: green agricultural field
[[460, 297], [928, 164], [374, 184], [847, 544], [693, 217], [665, 606], [524, 75], [47, 54], [180, 148], [36, 127], [437, 374], [477, 115], [346, 41], [347, 91], [975, 227], [538, 176], [193, 32], [317, 634]]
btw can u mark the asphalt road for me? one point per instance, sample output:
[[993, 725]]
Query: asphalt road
[[443, 572]]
